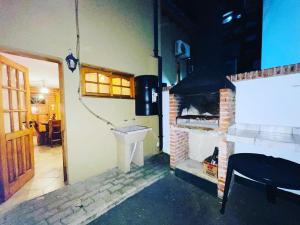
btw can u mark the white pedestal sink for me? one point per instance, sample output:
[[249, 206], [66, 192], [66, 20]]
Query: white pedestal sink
[[130, 145]]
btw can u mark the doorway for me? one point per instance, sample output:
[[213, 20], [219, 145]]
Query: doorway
[[32, 111]]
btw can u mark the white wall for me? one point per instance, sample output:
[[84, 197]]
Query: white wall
[[269, 101], [166, 121], [114, 34], [202, 144]]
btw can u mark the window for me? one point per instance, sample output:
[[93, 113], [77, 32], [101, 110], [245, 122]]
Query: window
[[106, 83]]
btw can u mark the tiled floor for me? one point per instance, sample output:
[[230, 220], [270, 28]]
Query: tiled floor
[[48, 177]]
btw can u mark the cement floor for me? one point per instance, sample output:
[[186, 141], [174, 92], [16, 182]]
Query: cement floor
[[172, 201]]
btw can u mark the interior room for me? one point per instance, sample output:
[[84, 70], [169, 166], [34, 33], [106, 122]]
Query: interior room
[[44, 122], [156, 112]]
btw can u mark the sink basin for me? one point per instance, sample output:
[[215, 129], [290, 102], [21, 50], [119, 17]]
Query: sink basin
[[131, 129], [130, 145], [131, 134]]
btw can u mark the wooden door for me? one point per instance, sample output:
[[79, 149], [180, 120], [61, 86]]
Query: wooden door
[[16, 144]]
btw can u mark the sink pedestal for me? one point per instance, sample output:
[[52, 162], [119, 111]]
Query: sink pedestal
[[130, 153], [130, 146]]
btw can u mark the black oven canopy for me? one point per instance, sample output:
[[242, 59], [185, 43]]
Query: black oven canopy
[[197, 84]]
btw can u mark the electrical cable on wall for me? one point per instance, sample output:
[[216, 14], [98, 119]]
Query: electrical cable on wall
[[79, 64]]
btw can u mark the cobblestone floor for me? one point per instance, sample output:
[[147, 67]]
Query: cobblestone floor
[[82, 202]]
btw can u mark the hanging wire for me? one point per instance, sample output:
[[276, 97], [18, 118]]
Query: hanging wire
[[79, 65]]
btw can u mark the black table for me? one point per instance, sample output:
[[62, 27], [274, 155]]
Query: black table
[[273, 172]]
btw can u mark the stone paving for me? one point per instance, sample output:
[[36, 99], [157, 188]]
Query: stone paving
[[84, 201]]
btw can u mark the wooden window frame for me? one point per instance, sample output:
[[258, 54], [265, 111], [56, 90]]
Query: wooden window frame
[[86, 68]]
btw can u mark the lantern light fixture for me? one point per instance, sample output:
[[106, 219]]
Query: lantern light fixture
[[72, 62]]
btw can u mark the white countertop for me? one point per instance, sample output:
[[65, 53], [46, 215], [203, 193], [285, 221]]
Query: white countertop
[[264, 135]]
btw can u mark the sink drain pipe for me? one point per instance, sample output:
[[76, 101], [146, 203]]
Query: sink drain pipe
[[159, 58]]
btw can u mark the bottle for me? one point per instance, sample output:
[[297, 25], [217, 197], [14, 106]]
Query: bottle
[[214, 158]]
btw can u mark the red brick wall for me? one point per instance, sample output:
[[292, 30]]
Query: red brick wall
[[225, 150], [174, 104], [227, 118], [178, 138], [179, 146], [276, 71], [227, 109]]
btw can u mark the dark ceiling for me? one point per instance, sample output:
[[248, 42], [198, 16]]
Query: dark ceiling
[[235, 47], [200, 12]]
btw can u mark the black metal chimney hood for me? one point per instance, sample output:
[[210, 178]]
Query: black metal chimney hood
[[199, 84]]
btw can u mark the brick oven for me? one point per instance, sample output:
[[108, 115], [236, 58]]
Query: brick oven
[[200, 115]]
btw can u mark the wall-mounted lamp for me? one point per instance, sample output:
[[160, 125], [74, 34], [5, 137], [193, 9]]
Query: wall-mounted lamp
[[72, 62]]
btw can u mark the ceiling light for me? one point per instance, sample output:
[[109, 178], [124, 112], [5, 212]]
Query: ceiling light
[[227, 19], [44, 89], [227, 14]]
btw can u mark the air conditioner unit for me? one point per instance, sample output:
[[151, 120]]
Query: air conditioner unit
[[182, 50]]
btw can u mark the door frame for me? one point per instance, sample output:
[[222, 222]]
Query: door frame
[[59, 61]]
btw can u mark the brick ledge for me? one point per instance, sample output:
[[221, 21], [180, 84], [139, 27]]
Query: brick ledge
[[271, 72]]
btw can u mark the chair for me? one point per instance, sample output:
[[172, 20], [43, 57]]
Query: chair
[[55, 132], [42, 137]]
